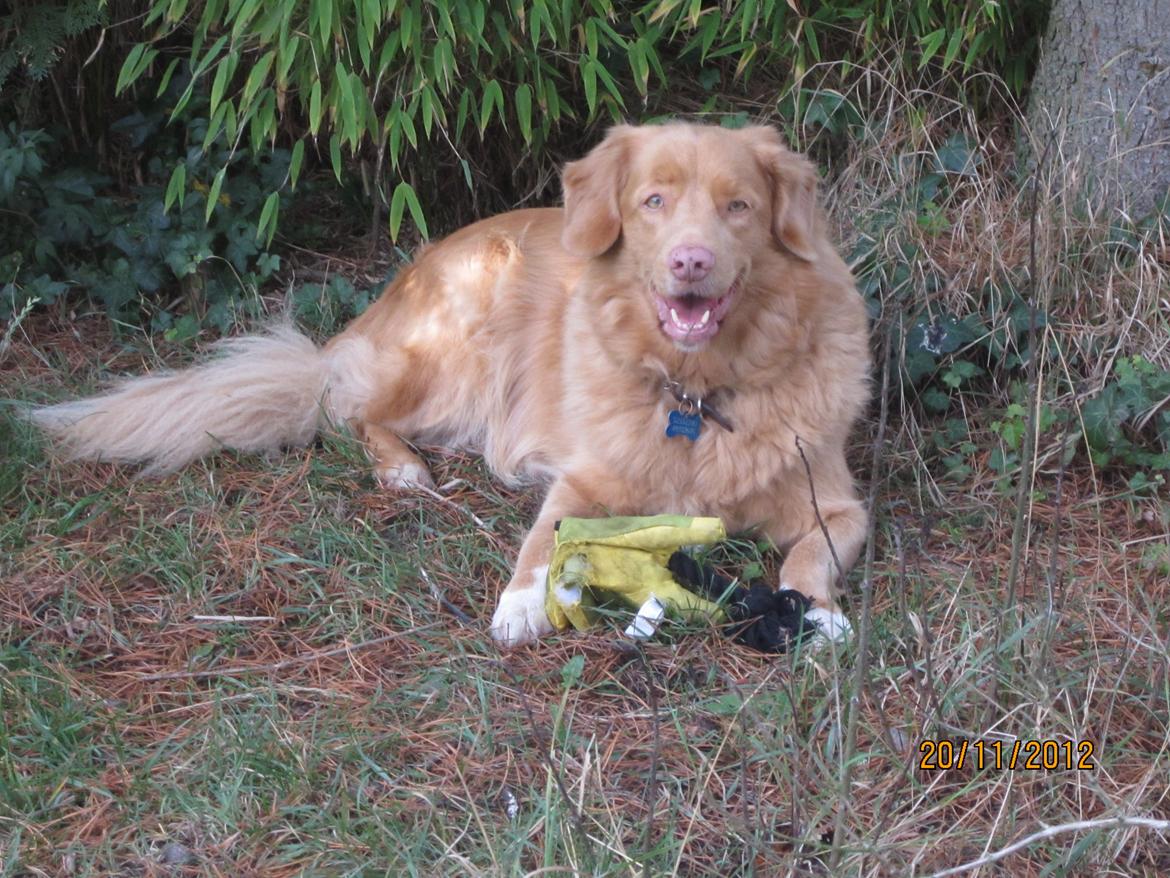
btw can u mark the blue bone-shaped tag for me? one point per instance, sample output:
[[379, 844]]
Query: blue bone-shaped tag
[[680, 424]]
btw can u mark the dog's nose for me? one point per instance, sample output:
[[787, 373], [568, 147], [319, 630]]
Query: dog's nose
[[691, 263]]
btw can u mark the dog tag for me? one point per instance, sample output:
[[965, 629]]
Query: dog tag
[[680, 424]]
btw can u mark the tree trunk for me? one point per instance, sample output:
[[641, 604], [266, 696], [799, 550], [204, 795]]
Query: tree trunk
[[1103, 90]]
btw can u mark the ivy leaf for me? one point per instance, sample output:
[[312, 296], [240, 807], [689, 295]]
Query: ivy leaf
[[959, 372], [44, 289], [184, 329], [267, 264], [918, 364], [959, 155], [935, 400], [1103, 416]]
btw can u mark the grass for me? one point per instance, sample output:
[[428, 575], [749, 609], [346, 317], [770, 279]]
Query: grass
[[338, 720], [273, 667]]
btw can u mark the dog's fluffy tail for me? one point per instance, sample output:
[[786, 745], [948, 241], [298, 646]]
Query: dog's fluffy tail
[[257, 393]]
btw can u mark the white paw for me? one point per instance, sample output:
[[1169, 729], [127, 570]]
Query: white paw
[[832, 626], [520, 616], [407, 475]]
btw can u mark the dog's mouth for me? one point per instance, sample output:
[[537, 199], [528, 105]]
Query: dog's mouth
[[693, 318]]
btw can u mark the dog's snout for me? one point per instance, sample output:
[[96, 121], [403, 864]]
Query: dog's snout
[[691, 263]]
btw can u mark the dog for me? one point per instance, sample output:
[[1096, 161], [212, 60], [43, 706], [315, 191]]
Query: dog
[[687, 287]]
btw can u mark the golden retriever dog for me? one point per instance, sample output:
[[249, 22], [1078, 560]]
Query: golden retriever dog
[[687, 282]]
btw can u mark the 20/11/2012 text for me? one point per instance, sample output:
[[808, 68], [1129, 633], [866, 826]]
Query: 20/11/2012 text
[[1018, 755]]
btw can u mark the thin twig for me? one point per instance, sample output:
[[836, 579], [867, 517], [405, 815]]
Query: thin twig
[[934, 698], [1052, 831], [233, 618], [817, 512], [649, 795], [1027, 452], [1055, 573], [861, 670], [288, 662], [431, 492], [438, 595]]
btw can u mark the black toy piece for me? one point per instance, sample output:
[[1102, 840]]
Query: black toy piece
[[766, 620]]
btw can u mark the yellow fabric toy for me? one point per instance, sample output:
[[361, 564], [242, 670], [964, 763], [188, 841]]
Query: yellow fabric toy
[[626, 557]]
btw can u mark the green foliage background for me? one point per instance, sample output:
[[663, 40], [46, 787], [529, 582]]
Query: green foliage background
[[419, 85], [438, 110]]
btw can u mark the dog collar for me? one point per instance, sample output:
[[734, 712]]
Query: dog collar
[[687, 419]]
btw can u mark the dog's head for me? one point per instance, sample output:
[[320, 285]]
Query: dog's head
[[693, 210]]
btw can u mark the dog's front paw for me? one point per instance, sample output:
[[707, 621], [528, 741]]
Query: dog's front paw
[[520, 616], [404, 476], [832, 626]]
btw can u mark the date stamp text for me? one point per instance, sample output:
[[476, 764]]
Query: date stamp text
[[1019, 755]]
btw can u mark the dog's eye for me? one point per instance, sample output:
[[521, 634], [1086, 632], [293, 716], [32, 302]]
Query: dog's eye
[[737, 206], [654, 202]]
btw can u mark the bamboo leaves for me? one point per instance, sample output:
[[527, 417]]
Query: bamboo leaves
[[395, 77]]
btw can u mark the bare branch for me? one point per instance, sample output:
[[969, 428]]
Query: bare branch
[[1052, 831]]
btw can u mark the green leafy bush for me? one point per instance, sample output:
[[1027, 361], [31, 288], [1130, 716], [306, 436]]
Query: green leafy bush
[[415, 85], [71, 226], [1128, 422], [326, 307]]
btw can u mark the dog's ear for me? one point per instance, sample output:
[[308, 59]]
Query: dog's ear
[[593, 218], [795, 216]]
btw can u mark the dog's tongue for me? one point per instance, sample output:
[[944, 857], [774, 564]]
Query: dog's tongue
[[688, 318]]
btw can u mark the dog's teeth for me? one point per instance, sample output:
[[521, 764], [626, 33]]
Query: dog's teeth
[[706, 316], [674, 316]]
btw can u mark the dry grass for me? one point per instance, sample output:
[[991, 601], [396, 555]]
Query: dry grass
[[345, 712]]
